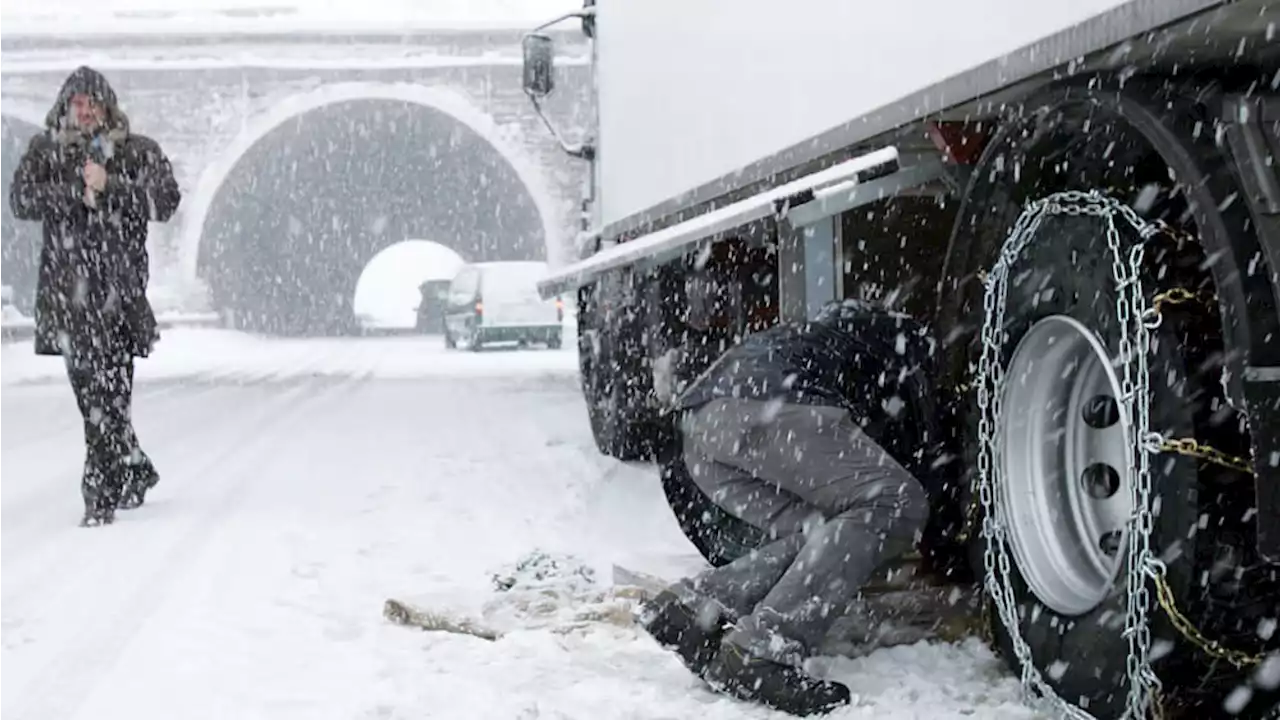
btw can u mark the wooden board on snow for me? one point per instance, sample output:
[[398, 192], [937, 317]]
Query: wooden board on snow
[[402, 613], [646, 586]]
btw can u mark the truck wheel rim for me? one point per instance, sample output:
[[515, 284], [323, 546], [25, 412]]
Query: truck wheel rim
[[1064, 446]]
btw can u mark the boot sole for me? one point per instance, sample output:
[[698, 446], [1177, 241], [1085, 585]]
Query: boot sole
[[736, 680]]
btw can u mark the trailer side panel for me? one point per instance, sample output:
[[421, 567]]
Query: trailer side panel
[[690, 91]]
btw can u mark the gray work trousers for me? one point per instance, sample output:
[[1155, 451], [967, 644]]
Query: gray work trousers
[[835, 504]]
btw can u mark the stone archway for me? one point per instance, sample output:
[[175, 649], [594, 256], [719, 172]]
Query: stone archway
[[20, 254], [281, 227]]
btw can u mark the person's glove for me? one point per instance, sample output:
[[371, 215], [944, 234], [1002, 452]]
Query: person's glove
[[664, 377]]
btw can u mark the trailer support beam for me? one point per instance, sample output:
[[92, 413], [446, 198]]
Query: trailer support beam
[[676, 241], [807, 266]]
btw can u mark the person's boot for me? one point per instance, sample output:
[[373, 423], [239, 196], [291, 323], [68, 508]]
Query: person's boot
[[735, 672], [95, 516], [100, 500], [142, 478], [693, 633]]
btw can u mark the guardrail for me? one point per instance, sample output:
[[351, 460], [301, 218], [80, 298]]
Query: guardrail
[[18, 330]]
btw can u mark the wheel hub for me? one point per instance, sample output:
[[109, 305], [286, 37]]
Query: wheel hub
[[1064, 448]]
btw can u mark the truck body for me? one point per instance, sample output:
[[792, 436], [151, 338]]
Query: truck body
[[690, 94], [755, 160]]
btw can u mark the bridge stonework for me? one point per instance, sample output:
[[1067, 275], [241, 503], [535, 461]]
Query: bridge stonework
[[200, 98]]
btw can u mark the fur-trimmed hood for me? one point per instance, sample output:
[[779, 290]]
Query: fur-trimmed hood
[[92, 83]]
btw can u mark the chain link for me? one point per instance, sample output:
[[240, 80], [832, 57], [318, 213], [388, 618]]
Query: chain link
[[1190, 447], [1162, 227], [1179, 295], [1135, 321], [1212, 648]]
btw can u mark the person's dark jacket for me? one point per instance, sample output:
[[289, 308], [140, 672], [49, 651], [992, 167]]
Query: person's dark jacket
[[875, 363], [93, 263], [853, 355]]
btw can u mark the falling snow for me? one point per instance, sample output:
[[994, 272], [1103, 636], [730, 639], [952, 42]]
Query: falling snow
[[305, 482], [359, 398]]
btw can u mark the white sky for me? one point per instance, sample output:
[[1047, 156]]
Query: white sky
[[388, 288]]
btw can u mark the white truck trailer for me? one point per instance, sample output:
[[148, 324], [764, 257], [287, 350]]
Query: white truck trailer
[[1082, 201]]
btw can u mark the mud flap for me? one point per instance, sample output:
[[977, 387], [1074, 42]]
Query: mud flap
[[1262, 394]]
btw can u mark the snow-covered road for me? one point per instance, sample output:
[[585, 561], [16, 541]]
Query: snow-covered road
[[304, 483]]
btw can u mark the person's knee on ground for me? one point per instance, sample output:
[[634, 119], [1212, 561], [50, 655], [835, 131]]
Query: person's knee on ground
[[761, 658], [838, 557], [692, 616]]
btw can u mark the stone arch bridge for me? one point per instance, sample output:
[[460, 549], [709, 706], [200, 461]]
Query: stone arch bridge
[[302, 156]]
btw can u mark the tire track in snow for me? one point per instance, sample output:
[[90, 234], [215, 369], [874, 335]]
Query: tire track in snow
[[285, 366], [44, 550], [291, 367], [286, 371], [37, 498], [51, 424], [57, 689], [165, 446]]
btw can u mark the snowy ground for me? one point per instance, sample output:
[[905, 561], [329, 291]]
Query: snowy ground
[[305, 482]]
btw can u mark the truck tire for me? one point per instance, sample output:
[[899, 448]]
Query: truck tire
[[1061, 304], [612, 383], [1068, 603], [615, 430]]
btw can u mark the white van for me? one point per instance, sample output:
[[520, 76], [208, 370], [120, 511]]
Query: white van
[[499, 302]]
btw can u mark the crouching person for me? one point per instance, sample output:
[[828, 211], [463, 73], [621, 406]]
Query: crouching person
[[772, 433]]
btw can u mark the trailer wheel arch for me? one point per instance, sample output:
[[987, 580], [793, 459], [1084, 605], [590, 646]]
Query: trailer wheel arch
[[1229, 233]]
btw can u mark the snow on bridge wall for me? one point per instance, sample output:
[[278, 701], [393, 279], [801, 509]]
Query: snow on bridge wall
[[206, 100], [440, 99], [21, 240]]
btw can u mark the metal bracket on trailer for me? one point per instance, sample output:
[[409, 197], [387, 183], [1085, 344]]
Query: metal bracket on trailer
[[809, 232], [1249, 125], [811, 199], [1262, 394], [674, 241], [849, 195]]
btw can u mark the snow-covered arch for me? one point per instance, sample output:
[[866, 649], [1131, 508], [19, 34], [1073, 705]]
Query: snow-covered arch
[[20, 253], [440, 99]]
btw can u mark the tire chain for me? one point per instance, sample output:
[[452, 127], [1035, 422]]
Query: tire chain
[[1135, 319]]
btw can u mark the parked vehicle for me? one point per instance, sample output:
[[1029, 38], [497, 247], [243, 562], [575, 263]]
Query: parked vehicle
[[431, 308], [499, 302], [1082, 197]]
